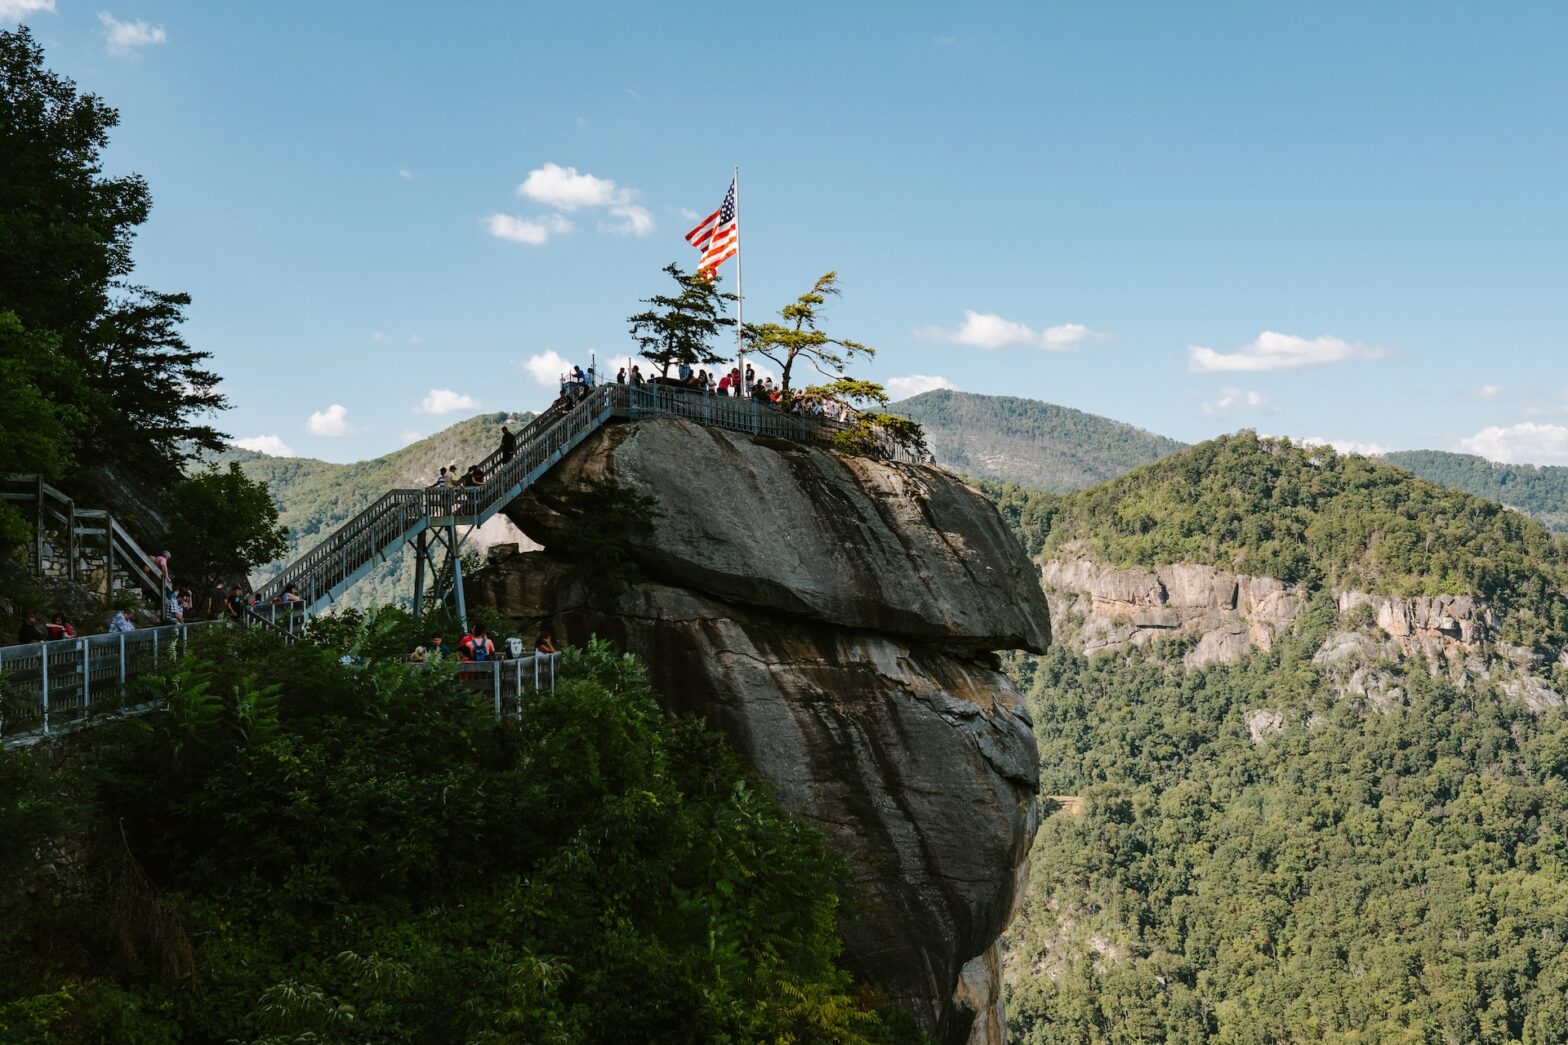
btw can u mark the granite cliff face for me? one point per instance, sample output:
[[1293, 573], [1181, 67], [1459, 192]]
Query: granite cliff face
[[835, 617], [1098, 608]]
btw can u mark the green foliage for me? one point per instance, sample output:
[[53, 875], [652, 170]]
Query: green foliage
[[40, 423], [1356, 877], [1541, 491], [224, 524], [681, 328], [1039, 445], [1315, 517], [798, 338], [362, 855], [106, 353]]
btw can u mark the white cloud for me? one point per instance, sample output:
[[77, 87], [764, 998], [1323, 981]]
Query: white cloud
[[568, 189], [633, 95], [1523, 443], [687, 213], [405, 174], [18, 10], [1237, 399], [635, 221], [408, 435], [128, 37], [521, 230], [265, 444], [333, 421], [564, 188], [1486, 392], [547, 367], [1275, 351], [988, 330], [914, 384], [1346, 446], [446, 401]]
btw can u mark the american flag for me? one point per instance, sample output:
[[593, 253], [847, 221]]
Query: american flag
[[718, 236]]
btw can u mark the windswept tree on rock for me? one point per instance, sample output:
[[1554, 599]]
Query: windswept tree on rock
[[681, 327], [799, 338]]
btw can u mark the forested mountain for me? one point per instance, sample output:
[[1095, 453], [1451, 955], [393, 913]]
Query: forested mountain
[[1351, 832], [1038, 445], [1541, 491], [315, 497]]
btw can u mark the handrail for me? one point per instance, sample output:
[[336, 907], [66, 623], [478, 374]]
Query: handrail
[[63, 508]]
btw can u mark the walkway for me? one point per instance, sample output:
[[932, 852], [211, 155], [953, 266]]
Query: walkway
[[322, 574]]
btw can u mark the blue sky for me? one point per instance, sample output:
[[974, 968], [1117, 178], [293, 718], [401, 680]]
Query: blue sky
[[1344, 221]]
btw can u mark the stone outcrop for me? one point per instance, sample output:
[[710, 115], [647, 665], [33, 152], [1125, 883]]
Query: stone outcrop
[[1106, 609], [1439, 626], [833, 617]]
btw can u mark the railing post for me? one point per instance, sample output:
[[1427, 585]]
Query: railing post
[[87, 678], [43, 666], [496, 680], [122, 663]]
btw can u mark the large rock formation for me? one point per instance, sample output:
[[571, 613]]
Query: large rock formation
[[834, 617]]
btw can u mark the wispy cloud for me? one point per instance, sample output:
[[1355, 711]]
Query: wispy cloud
[[522, 230], [1523, 443], [332, 422], [633, 95], [988, 330], [127, 38], [405, 174], [18, 10], [1486, 393], [408, 435], [1276, 351], [446, 401], [914, 384], [547, 367], [635, 221], [263, 444], [1232, 399]]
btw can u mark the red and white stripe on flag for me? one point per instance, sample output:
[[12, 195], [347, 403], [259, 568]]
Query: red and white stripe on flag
[[718, 236]]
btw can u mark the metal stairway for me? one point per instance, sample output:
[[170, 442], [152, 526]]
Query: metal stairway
[[419, 516]]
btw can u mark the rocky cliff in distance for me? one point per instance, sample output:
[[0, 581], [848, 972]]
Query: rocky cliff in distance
[[835, 618]]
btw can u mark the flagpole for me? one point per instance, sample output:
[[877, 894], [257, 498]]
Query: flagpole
[[740, 292]]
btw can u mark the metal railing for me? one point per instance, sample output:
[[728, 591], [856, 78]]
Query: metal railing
[[372, 536], [507, 680], [51, 684], [83, 524]]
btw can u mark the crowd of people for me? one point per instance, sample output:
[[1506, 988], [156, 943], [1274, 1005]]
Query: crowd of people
[[579, 382], [477, 646]]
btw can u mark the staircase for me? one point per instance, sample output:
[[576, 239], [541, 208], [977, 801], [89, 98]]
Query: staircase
[[375, 535], [81, 544]]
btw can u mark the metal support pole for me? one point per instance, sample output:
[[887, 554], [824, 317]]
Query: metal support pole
[[420, 552], [43, 665], [495, 678], [122, 662], [457, 576], [87, 678]]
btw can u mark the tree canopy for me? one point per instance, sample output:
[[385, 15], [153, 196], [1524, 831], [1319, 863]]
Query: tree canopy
[[799, 339], [681, 327], [224, 524], [76, 329]]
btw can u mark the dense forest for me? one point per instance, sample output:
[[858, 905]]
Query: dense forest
[[1258, 854], [1039, 445], [1356, 877], [357, 853], [1540, 490]]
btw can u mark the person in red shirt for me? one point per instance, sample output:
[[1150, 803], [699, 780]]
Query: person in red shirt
[[476, 645], [59, 629]]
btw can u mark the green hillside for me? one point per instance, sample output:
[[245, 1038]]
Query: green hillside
[[315, 497], [1541, 491], [1309, 515], [1038, 445], [1355, 874]]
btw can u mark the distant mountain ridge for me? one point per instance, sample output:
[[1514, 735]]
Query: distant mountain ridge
[[1538, 490], [1039, 445]]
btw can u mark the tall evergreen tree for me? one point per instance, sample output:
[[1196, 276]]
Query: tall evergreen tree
[[799, 339], [681, 327], [66, 231]]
